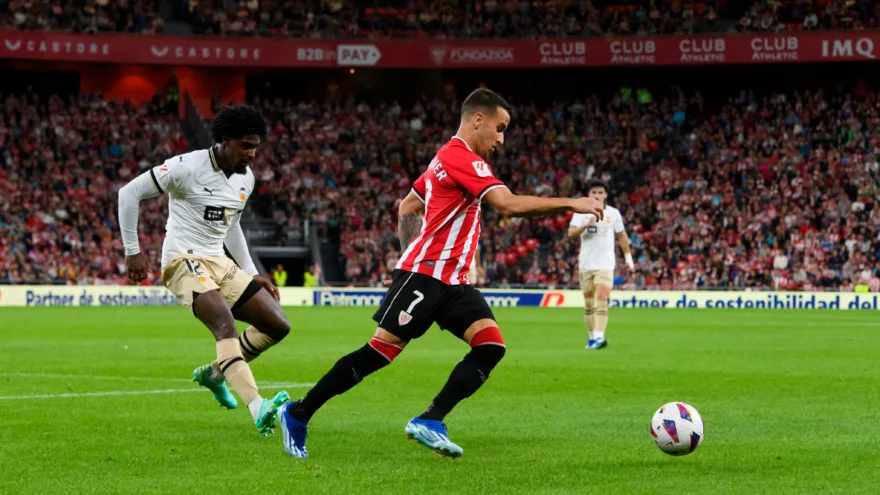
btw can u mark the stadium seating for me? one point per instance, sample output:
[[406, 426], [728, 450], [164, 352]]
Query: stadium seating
[[722, 201], [520, 19], [442, 18], [63, 160], [130, 16], [773, 192]]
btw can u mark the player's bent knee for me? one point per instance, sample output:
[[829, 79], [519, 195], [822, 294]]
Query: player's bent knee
[[488, 347], [386, 336], [224, 330], [278, 329], [386, 349], [488, 337], [490, 355]]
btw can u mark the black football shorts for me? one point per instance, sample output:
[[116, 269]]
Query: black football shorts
[[415, 301]]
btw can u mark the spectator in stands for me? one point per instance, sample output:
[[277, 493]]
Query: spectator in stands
[[132, 16], [310, 277], [280, 276]]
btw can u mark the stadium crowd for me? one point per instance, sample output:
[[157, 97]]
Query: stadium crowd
[[82, 16], [62, 162], [775, 191], [442, 18], [520, 18]]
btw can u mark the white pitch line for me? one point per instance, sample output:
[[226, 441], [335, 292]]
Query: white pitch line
[[283, 385], [135, 392], [125, 378], [95, 377]]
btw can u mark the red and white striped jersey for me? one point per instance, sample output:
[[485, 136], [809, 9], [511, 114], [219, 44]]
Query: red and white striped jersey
[[452, 189]]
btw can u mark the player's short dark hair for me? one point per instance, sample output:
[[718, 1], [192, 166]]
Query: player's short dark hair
[[484, 100], [236, 122], [597, 183]]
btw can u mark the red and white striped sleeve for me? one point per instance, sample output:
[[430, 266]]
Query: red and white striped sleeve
[[418, 188], [471, 172]]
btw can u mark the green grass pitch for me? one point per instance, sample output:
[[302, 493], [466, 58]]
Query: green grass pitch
[[791, 402]]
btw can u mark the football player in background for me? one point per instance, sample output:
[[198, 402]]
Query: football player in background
[[597, 260]]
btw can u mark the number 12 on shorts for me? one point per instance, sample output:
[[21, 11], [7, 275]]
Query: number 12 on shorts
[[406, 316], [196, 270]]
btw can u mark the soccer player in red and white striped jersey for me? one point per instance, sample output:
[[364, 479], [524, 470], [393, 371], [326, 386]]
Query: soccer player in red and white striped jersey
[[430, 283], [451, 191]]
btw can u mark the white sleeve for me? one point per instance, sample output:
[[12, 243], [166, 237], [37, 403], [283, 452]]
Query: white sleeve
[[130, 197], [580, 219], [168, 177], [618, 223], [237, 246]]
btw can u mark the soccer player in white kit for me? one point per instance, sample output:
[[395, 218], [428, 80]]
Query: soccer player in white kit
[[597, 261], [207, 191]]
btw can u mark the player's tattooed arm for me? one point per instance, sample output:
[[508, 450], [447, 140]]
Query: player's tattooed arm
[[408, 228], [409, 219]]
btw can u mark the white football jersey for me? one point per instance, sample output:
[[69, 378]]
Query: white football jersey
[[202, 203], [597, 240]]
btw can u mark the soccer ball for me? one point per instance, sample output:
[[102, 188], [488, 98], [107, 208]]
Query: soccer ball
[[677, 428]]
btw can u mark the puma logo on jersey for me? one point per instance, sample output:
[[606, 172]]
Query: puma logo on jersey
[[209, 191]]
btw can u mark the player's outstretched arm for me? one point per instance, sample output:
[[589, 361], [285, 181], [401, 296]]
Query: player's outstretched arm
[[130, 197], [514, 205], [409, 219]]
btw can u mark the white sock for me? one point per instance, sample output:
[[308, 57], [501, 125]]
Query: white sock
[[254, 406], [599, 334], [592, 334]]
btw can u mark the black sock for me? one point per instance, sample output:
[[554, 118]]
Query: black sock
[[345, 374], [466, 378]]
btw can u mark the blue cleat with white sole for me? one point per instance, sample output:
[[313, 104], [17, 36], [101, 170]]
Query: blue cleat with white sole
[[590, 343], [432, 434], [599, 343], [295, 433]]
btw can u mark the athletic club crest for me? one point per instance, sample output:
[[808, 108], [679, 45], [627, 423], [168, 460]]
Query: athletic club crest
[[404, 318], [439, 54]]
